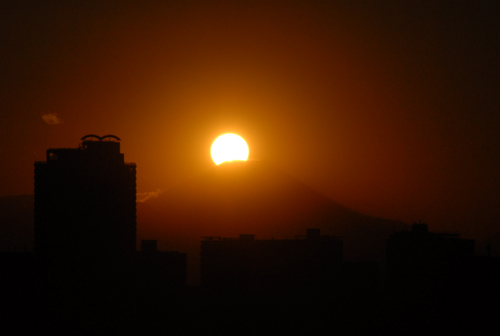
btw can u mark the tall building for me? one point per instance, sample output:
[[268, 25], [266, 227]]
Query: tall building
[[85, 202]]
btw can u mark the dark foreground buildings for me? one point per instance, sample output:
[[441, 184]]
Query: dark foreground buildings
[[85, 223], [312, 263], [245, 263], [436, 284], [85, 275], [88, 278], [85, 218]]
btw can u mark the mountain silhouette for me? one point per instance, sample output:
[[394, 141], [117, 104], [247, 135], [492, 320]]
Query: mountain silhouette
[[254, 197]]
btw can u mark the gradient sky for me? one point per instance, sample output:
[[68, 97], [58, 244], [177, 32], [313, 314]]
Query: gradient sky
[[390, 108]]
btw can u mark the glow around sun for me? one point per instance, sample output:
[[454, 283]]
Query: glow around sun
[[229, 147]]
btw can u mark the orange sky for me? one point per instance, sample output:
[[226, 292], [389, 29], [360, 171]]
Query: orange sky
[[387, 108]]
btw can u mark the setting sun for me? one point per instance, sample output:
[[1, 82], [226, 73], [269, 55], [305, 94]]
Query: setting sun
[[229, 147]]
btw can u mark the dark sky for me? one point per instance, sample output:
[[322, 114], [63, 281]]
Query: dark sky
[[390, 108]]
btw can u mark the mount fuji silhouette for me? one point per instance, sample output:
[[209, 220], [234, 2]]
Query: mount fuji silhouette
[[254, 197]]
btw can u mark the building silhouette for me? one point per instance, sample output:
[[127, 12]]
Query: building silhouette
[[160, 270], [246, 263], [422, 258], [85, 202]]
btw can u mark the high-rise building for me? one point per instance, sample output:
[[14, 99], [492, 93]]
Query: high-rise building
[[85, 202]]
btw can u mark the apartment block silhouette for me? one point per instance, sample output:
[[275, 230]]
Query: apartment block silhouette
[[85, 202]]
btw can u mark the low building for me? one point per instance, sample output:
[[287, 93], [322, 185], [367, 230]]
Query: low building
[[164, 270], [422, 258], [246, 263]]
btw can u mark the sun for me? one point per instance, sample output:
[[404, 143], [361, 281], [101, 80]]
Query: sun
[[229, 147]]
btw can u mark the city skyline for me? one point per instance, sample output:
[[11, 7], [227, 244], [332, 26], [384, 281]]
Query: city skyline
[[86, 274]]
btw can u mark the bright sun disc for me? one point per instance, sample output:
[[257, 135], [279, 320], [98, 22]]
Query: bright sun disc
[[229, 147]]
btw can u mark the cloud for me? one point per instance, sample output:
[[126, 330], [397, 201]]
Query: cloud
[[144, 196], [51, 119]]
